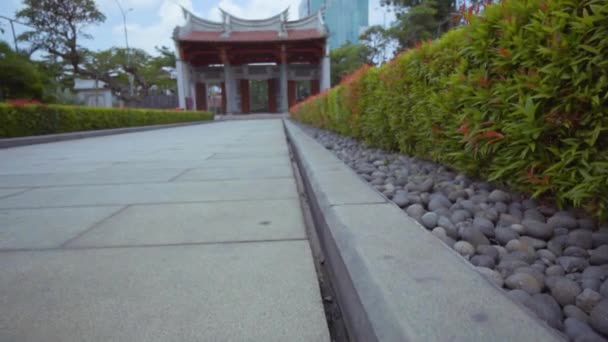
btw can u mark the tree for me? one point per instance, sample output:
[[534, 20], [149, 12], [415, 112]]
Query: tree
[[58, 27], [377, 39], [420, 19], [19, 77], [115, 65], [347, 59]]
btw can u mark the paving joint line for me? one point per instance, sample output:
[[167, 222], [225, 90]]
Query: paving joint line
[[93, 226], [17, 193], [179, 175], [148, 203], [151, 245]]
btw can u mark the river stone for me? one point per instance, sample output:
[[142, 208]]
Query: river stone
[[546, 255], [506, 220], [484, 225], [555, 270], [599, 272], [488, 250], [604, 289], [546, 210], [507, 267], [491, 275], [581, 238], [460, 215], [449, 227], [563, 221], [537, 229], [575, 329], [473, 235], [561, 231], [539, 276], [523, 281], [586, 223], [587, 300], [599, 256], [519, 295], [539, 266], [518, 228], [575, 251], [599, 317], [565, 291], [415, 211], [557, 244], [533, 242], [546, 308], [591, 283], [464, 248], [600, 238], [504, 235], [501, 251], [429, 220], [435, 204], [501, 207], [576, 312], [572, 264], [533, 214], [514, 245], [483, 261], [529, 203], [400, 199], [499, 196]]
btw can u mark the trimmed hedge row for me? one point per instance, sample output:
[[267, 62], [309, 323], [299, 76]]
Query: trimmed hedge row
[[32, 119], [519, 97]]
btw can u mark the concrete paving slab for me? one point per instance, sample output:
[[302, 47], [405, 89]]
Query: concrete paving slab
[[106, 175], [249, 155], [153, 193], [11, 191], [47, 228], [226, 292], [255, 172], [198, 223]]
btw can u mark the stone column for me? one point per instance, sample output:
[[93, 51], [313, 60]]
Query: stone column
[[229, 87], [325, 70], [283, 81], [181, 94]]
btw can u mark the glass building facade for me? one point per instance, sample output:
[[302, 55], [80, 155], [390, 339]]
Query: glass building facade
[[345, 19]]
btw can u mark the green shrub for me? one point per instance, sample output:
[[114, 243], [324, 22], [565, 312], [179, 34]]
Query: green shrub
[[519, 97], [31, 119]]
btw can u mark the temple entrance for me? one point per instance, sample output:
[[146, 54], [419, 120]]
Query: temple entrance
[[259, 96]]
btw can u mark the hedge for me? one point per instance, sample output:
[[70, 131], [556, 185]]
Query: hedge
[[519, 96], [38, 119]]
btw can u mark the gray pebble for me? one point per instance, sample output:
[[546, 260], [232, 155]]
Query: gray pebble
[[499, 196], [464, 248], [563, 221], [575, 251], [523, 281], [504, 235], [473, 235], [545, 307], [415, 211], [429, 220], [519, 295], [575, 312], [565, 291], [488, 250], [555, 270], [537, 229], [483, 261], [572, 264], [587, 300], [599, 317], [581, 238], [599, 256], [491, 275], [575, 329]]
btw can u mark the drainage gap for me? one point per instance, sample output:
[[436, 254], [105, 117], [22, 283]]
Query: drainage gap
[[333, 314]]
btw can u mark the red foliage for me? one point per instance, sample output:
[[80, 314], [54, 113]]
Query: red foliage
[[504, 52], [23, 102]]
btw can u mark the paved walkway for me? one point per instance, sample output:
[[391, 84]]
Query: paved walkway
[[182, 234]]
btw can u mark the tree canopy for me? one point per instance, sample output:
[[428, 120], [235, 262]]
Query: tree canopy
[[347, 59], [58, 28]]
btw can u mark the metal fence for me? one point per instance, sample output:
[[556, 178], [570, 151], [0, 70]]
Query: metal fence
[[158, 101]]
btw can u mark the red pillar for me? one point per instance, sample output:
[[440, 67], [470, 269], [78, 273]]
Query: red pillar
[[201, 96], [223, 98], [315, 87]]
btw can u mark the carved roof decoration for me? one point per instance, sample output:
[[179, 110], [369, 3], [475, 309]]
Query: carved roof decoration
[[235, 29]]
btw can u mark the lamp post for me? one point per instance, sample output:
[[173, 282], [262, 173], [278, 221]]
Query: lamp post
[[124, 21]]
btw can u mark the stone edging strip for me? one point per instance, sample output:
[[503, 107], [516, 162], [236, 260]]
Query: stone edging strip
[[394, 280], [47, 138]]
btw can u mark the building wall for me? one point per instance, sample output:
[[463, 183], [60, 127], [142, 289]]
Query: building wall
[[345, 19]]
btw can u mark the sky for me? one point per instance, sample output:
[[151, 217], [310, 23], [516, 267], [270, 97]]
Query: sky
[[150, 23]]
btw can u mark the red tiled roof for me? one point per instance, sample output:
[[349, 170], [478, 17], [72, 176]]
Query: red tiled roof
[[249, 36]]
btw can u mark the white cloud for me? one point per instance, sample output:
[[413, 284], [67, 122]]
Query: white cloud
[[148, 36], [255, 9]]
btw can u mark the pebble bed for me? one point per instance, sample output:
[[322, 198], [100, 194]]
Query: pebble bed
[[555, 262]]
